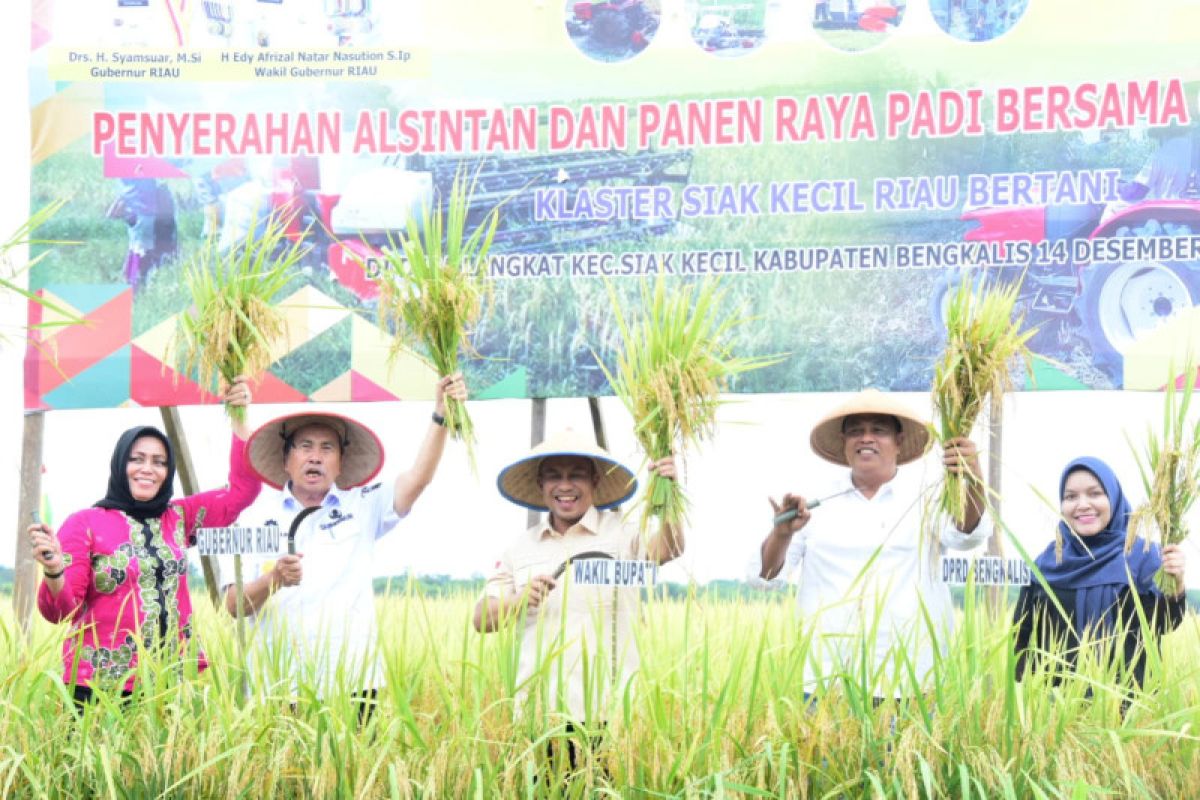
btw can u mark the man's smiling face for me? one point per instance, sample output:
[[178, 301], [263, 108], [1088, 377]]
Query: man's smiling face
[[568, 485], [872, 442]]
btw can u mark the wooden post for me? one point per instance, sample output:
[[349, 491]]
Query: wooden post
[[996, 594], [537, 432], [243, 678], [602, 440], [25, 569], [187, 477]]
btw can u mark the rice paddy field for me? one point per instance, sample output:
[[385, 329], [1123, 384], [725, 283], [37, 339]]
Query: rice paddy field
[[716, 711]]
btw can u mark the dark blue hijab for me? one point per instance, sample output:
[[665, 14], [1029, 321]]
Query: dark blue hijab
[[1095, 567]]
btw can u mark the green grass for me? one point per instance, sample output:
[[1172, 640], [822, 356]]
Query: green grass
[[717, 713]]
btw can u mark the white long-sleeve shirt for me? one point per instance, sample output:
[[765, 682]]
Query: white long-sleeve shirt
[[322, 632], [865, 568]]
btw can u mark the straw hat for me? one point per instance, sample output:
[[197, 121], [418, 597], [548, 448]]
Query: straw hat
[[826, 438], [518, 481], [362, 452]]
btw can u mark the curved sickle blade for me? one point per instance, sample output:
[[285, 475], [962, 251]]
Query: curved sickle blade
[[589, 554], [291, 534]]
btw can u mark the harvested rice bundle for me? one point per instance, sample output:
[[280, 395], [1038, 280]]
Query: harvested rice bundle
[[983, 343], [1170, 473], [433, 288], [674, 362], [232, 325]]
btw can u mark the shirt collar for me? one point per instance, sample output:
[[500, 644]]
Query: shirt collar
[[589, 523], [333, 498], [901, 478]]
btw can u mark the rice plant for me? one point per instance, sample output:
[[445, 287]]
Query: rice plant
[[433, 289], [717, 710], [10, 274], [675, 360], [232, 327], [1169, 464], [983, 345]]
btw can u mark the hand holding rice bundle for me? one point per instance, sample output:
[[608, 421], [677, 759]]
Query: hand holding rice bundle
[[233, 326], [982, 343], [433, 288], [674, 363]]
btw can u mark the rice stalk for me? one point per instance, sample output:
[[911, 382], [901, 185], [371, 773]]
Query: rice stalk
[[1170, 469], [674, 361], [232, 325], [434, 286], [10, 274], [983, 342]]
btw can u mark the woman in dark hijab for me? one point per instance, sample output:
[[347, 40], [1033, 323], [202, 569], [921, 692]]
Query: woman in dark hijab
[[118, 570], [1094, 580]]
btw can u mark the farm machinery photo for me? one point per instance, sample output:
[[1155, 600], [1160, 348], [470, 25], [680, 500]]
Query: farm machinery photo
[[611, 29], [348, 230], [866, 15], [717, 33], [1113, 303]]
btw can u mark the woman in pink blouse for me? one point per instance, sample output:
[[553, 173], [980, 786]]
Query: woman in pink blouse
[[118, 570]]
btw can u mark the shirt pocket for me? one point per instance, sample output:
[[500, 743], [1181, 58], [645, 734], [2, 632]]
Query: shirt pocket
[[331, 554]]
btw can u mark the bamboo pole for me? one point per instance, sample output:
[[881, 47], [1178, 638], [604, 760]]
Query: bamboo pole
[[25, 570], [187, 477]]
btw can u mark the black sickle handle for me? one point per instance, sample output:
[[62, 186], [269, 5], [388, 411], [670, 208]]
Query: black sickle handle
[[37, 520], [291, 534], [578, 556]]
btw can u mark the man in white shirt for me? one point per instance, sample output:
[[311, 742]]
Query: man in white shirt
[[867, 556], [315, 608], [581, 654]]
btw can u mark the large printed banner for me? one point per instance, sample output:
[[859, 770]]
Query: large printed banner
[[841, 167]]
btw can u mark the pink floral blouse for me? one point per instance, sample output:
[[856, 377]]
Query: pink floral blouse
[[126, 581]]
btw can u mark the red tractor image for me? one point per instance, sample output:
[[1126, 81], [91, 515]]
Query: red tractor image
[[1113, 303], [868, 15], [612, 30]]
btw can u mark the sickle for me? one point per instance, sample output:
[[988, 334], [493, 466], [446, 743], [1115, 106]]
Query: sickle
[[589, 554], [291, 534], [792, 513]]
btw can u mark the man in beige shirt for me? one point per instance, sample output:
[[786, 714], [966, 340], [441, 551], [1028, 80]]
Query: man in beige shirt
[[576, 635]]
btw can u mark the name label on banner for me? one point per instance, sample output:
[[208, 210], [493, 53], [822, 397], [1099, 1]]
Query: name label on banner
[[989, 571], [238, 541], [613, 572]]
